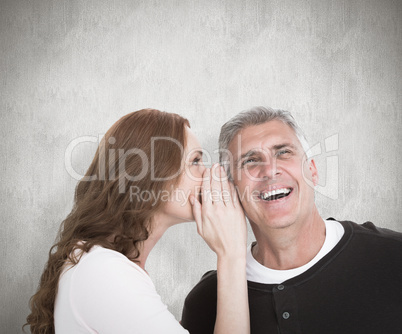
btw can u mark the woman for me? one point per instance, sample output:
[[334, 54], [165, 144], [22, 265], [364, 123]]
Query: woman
[[145, 177]]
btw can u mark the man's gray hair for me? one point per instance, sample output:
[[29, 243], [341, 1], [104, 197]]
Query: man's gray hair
[[250, 117]]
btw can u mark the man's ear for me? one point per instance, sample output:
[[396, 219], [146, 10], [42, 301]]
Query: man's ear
[[314, 172]]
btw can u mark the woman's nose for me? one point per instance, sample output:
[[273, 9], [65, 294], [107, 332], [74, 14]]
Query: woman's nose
[[202, 168]]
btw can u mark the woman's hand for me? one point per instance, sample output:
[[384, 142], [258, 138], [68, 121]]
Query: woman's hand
[[220, 218], [221, 222]]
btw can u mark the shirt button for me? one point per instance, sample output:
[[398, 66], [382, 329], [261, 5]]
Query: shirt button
[[280, 287], [285, 315]]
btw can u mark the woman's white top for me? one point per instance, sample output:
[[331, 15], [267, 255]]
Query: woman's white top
[[107, 293]]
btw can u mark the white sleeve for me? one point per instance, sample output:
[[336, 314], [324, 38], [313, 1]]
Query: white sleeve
[[110, 294]]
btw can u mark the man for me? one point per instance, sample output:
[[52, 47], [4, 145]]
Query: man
[[305, 274]]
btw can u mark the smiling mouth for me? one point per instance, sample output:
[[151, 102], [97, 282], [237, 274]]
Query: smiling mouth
[[275, 194]]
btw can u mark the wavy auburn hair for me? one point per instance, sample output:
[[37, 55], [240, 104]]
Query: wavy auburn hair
[[143, 149]]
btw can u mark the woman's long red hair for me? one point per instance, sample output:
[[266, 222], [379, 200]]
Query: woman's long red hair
[[104, 213]]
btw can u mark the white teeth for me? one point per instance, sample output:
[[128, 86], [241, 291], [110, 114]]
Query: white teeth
[[275, 192]]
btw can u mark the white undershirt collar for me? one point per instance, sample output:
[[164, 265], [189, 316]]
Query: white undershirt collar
[[256, 272]]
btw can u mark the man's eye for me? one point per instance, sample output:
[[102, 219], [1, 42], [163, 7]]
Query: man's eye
[[283, 152], [248, 161]]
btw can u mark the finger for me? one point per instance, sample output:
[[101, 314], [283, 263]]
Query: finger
[[196, 207], [226, 191], [235, 198], [206, 189], [216, 188]]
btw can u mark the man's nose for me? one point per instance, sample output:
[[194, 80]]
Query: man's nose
[[269, 169]]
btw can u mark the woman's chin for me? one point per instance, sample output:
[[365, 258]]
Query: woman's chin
[[180, 220]]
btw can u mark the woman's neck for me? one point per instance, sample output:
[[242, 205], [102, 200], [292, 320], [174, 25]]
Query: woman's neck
[[159, 227]]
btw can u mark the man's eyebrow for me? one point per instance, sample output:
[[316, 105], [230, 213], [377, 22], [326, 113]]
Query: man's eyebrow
[[256, 152], [280, 146]]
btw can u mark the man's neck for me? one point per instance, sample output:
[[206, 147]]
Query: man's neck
[[290, 247]]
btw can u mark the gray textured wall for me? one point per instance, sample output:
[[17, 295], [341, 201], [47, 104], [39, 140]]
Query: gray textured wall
[[72, 68]]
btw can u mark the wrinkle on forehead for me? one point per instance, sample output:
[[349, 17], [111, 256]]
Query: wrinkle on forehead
[[263, 137]]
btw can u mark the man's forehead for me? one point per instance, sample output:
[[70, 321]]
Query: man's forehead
[[272, 133]]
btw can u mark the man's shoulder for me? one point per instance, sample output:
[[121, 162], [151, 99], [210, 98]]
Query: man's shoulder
[[370, 229], [208, 277], [199, 311], [205, 288]]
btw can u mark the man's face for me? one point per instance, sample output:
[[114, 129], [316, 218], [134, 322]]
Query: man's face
[[271, 173]]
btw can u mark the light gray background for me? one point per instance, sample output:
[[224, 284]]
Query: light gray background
[[72, 68]]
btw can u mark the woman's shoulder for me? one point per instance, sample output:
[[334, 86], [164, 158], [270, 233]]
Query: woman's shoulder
[[103, 279], [102, 264], [109, 293]]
